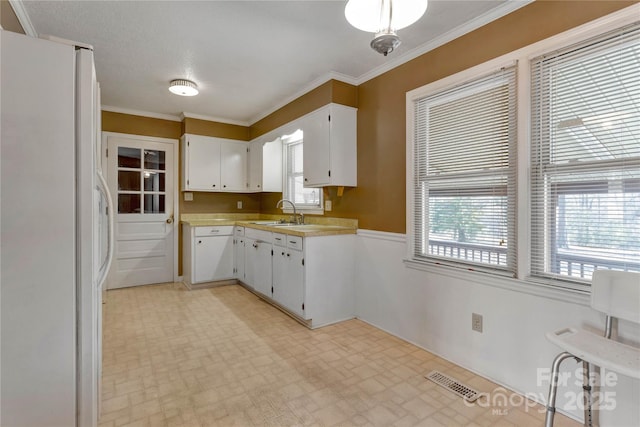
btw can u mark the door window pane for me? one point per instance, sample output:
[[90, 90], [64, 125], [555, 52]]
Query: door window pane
[[128, 203], [154, 203], [129, 157], [154, 159], [128, 181], [154, 181]]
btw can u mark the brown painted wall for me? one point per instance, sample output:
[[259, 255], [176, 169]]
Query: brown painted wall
[[331, 91], [139, 125], [8, 19], [221, 130], [379, 200]]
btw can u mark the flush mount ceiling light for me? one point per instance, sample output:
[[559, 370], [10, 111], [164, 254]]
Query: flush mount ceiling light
[[183, 87], [384, 18]]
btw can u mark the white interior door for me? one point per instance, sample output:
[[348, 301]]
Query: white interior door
[[141, 180]]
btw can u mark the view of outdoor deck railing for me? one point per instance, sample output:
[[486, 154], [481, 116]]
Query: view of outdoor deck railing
[[566, 263]]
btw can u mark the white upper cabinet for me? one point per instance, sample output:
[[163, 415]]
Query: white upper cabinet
[[213, 164], [255, 166], [265, 165], [200, 163], [233, 165], [330, 153]]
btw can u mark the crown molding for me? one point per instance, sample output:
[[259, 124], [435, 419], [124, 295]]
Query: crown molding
[[484, 19], [332, 75], [500, 11], [23, 17], [188, 115], [141, 113], [492, 15]]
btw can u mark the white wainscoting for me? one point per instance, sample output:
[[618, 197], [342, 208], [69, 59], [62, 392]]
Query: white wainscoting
[[433, 311]]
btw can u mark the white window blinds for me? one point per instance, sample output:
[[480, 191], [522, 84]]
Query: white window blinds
[[464, 173], [585, 170]]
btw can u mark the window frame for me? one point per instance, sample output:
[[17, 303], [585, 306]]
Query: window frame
[[499, 179], [547, 185], [523, 281], [287, 176]]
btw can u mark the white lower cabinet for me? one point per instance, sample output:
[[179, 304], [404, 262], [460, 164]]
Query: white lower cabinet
[[209, 254], [258, 261], [313, 277], [288, 274]]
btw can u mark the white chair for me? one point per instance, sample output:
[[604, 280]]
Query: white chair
[[617, 294]]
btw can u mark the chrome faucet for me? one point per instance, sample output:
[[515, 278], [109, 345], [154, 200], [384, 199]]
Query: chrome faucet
[[281, 203]]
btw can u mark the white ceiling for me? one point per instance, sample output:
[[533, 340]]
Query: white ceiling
[[247, 57]]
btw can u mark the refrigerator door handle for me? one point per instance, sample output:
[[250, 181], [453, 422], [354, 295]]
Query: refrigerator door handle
[[104, 269]]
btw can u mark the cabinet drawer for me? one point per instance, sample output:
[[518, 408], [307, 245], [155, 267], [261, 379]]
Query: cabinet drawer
[[238, 231], [223, 230], [256, 234], [279, 239], [294, 242]]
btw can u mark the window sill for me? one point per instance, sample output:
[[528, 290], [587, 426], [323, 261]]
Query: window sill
[[539, 288], [312, 211]]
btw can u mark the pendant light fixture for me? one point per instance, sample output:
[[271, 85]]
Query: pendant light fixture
[[384, 18], [183, 87]]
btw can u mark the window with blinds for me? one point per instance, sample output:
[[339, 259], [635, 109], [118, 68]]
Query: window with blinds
[[464, 173], [585, 158]]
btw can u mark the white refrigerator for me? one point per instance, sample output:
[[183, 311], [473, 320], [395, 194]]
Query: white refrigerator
[[55, 245]]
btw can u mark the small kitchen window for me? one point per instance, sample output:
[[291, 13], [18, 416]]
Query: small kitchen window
[[308, 199]]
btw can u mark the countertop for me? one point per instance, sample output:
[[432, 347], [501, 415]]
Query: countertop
[[314, 226]]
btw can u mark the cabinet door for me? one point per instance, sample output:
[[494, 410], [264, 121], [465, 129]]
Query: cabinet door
[[272, 166], [213, 258], [258, 266], [293, 297], [280, 275], [255, 166], [250, 255], [233, 166], [239, 259], [202, 163], [316, 147]]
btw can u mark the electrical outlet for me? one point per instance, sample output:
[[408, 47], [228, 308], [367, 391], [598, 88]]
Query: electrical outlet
[[239, 204], [188, 197], [327, 205], [476, 322]]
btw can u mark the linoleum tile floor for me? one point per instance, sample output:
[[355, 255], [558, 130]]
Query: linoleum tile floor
[[224, 357]]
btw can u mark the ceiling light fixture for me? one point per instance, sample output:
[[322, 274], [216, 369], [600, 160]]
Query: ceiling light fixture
[[384, 18], [183, 87]]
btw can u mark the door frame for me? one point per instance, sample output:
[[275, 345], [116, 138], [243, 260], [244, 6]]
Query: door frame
[[176, 192]]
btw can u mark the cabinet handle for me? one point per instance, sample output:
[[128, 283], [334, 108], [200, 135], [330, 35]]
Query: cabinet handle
[[292, 242], [199, 241], [214, 185], [282, 253], [255, 245], [306, 179], [215, 231], [258, 185], [224, 186], [288, 254]]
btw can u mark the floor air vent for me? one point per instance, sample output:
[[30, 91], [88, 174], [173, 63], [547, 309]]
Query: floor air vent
[[467, 393]]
